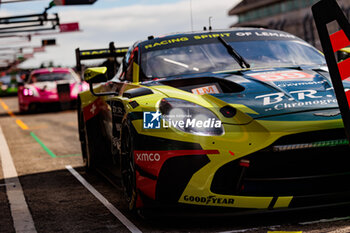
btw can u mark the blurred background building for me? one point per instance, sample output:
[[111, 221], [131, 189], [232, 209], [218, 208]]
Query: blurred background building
[[293, 16]]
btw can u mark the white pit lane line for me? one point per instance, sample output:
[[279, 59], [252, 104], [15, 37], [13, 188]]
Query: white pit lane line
[[325, 220], [104, 201], [22, 219]]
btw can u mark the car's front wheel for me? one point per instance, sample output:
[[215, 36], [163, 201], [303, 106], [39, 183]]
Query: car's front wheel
[[128, 171], [88, 160]]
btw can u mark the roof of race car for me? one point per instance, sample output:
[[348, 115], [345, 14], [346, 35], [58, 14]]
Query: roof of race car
[[235, 34]]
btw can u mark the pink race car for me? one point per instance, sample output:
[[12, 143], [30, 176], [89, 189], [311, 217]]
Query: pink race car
[[50, 88]]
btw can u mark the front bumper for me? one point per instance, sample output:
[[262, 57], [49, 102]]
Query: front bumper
[[270, 180], [51, 104]]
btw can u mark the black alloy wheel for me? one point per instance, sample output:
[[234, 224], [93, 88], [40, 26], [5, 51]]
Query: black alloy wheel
[[86, 154], [128, 170]]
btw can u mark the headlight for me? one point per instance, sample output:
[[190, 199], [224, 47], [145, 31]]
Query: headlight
[[84, 86], [29, 91], [76, 89], [190, 117]]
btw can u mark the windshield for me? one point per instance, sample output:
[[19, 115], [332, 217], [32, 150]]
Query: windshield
[[44, 77], [213, 57]]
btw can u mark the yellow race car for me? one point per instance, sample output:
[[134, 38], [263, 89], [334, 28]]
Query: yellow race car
[[244, 118]]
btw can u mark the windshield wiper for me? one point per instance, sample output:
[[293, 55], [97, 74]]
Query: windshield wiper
[[239, 59]]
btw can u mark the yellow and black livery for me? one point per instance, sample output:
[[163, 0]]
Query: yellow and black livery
[[243, 118]]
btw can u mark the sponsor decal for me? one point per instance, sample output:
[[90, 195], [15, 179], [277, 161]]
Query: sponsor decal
[[152, 161], [302, 97], [305, 103], [151, 120], [184, 39], [93, 109], [209, 200], [94, 52], [134, 104], [121, 50], [298, 84], [102, 51], [278, 97], [266, 34], [281, 76], [166, 42], [147, 157], [212, 89], [211, 35]]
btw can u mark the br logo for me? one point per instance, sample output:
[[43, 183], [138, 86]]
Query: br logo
[[151, 120]]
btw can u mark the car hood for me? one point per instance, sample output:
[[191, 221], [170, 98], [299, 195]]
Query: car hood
[[277, 92], [268, 92]]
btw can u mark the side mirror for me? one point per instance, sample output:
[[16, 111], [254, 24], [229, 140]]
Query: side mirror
[[95, 75]]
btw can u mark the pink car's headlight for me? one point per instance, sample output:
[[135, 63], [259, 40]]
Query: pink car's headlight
[[85, 87], [79, 87], [30, 92]]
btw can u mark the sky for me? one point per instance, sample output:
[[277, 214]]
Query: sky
[[121, 21]]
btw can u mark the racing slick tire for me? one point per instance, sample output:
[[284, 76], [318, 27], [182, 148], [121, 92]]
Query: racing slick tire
[[128, 169], [87, 152]]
